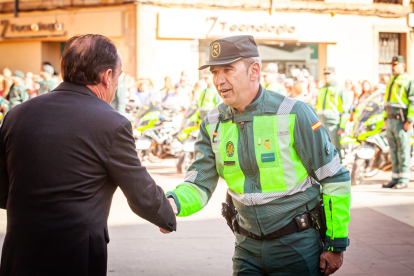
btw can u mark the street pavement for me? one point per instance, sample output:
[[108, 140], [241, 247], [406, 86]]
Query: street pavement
[[381, 232]]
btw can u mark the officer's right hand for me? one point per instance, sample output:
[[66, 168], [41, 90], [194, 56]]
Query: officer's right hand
[[175, 210], [329, 261]]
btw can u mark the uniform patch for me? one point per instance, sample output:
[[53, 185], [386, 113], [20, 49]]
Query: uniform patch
[[268, 157], [283, 133], [230, 149], [229, 163], [267, 144], [316, 125]]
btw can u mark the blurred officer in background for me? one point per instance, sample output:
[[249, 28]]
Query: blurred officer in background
[[270, 77], [399, 118], [47, 83], [18, 92], [120, 99], [332, 107]]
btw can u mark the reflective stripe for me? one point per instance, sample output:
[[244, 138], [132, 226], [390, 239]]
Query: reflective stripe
[[337, 188], [329, 169], [395, 175], [213, 116], [404, 175], [190, 176], [263, 198], [284, 141], [411, 99], [286, 106]]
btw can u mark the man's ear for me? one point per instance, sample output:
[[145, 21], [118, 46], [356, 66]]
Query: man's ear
[[107, 77], [255, 71]]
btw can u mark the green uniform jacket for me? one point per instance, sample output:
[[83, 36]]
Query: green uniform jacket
[[399, 95], [272, 157], [46, 86], [333, 104], [18, 94]]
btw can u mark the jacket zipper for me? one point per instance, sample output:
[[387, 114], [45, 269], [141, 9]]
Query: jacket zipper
[[330, 208], [247, 146]]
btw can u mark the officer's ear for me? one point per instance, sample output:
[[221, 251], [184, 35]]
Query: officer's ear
[[255, 72]]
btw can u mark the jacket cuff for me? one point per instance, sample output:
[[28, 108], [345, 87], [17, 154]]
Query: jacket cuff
[[173, 195], [336, 245], [410, 120]]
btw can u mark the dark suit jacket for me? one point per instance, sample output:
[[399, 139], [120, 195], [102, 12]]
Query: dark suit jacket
[[62, 156]]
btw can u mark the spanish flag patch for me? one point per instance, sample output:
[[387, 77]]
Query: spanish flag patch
[[316, 125]]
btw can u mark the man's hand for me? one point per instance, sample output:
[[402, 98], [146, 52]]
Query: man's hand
[[330, 262], [385, 123], [408, 126], [340, 131], [175, 210]]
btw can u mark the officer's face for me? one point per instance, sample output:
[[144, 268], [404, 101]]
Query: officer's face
[[398, 68], [329, 77], [233, 83]]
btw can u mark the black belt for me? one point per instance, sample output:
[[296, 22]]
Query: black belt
[[394, 116], [298, 224]]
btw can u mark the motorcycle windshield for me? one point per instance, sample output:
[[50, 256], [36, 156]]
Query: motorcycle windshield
[[366, 111]]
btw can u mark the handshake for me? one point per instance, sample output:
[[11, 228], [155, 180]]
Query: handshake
[[175, 209]]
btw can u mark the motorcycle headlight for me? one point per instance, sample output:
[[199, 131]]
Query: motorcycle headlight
[[370, 127], [136, 133]]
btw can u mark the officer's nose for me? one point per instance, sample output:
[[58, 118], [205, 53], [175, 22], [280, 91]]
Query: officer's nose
[[219, 78]]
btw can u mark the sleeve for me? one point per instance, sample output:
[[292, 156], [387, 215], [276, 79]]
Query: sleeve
[[322, 162], [4, 178], [410, 95], [145, 198], [201, 178]]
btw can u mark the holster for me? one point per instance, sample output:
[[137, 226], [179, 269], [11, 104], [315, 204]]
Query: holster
[[229, 212], [321, 220]]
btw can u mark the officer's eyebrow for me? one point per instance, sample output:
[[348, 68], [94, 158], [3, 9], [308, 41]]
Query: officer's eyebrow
[[213, 68]]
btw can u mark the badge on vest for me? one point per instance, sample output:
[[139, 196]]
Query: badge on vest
[[268, 157], [229, 163]]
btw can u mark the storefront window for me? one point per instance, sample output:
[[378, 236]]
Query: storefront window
[[389, 46]]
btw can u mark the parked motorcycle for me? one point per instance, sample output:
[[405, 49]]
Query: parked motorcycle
[[156, 133], [372, 154], [187, 155]]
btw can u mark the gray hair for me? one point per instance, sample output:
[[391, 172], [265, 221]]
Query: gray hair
[[249, 61]]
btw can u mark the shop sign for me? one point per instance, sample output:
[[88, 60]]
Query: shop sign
[[32, 30], [260, 29]]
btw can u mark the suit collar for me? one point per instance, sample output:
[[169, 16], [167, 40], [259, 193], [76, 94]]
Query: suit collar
[[68, 86]]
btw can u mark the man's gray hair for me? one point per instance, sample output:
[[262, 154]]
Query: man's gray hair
[[249, 61]]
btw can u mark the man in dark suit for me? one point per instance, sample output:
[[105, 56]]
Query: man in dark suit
[[62, 156]]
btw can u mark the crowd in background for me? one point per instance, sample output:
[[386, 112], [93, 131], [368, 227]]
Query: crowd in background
[[180, 92]]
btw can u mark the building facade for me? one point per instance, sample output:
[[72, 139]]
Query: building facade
[[163, 38]]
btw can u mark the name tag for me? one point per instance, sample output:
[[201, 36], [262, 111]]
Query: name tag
[[229, 163], [268, 157]]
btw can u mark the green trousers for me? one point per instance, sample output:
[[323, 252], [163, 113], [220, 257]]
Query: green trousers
[[399, 141], [294, 254]]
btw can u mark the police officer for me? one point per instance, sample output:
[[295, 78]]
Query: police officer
[[120, 99], [209, 98], [273, 152], [332, 107], [47, 83], [18, 92], [270, 76], [399, 116]]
